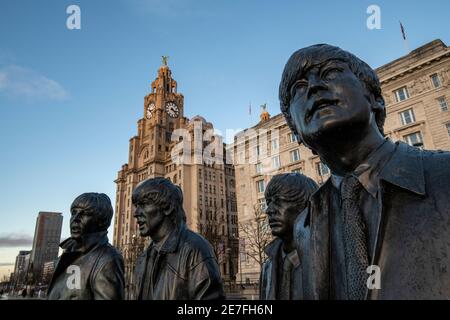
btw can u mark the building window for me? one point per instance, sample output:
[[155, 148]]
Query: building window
[[414, 139], [443, 104], [297, 171], [295, 155], [257, 151], [401, 94], [435, 80], [262, 204], [274, 144], [448, 129], [292, 137], [258, 168], [407, 116], [276, 162], [260, 187], [322, 169]]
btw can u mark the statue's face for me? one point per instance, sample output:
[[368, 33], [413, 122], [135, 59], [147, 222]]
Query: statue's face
[[83, 221], [149, 217], [282, 215], [326, 99]]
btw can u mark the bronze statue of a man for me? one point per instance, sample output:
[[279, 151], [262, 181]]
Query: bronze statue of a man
[[178, 264], [89, 268], [386, 207], [286, 196]]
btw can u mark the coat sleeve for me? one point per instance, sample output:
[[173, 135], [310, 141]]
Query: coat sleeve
[[205, 281], [108, 279]]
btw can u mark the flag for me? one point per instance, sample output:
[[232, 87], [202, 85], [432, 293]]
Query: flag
[[250, 109], [403, 30]]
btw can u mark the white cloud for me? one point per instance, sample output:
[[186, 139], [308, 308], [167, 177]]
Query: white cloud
[[23, 82]]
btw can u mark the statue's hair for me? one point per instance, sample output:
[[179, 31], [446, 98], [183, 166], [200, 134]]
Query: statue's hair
[[99, 203], [163, 193], [302, 60], [291, 187]]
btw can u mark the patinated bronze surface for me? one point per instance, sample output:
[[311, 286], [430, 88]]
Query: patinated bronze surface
[[286, 196], [178, 264], [89, 268], [386, 204]]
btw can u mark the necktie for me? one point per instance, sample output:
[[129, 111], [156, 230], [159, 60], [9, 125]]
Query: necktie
[[355, 246], [285, 284]]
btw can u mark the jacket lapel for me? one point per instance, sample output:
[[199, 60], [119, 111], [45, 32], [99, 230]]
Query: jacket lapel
[[404, 170], [140, 271], [317, 281], [272, 250]]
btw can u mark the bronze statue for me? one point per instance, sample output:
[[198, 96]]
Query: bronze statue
[[89, 268], [385, 209], [178, 264], [286, 196]]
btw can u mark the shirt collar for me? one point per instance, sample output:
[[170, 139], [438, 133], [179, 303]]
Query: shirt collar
[[404, 169], [85, 243], [170, 242], [276, 246], [368, 172]]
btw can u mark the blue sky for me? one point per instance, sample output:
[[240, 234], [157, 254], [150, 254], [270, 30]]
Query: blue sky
[[70, 99]]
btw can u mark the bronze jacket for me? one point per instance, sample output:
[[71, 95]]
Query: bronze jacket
[[412, 247], [91, 270], [185, 268], [268, 281]]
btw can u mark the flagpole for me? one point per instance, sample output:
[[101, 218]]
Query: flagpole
[[405, 40], [250, 113]]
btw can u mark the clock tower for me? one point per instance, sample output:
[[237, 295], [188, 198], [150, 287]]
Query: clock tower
[[208, 188], [163, 113], [163, 104]]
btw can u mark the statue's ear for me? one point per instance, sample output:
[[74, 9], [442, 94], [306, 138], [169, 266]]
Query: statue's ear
[[168, 209], [378, 104]]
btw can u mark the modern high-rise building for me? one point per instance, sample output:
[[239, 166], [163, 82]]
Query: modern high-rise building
[[47, 236], [21, 268], [416, 89], [188, 154], [47, 272]]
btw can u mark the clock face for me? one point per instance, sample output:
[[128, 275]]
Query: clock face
[[172, 110], [150, 109]]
